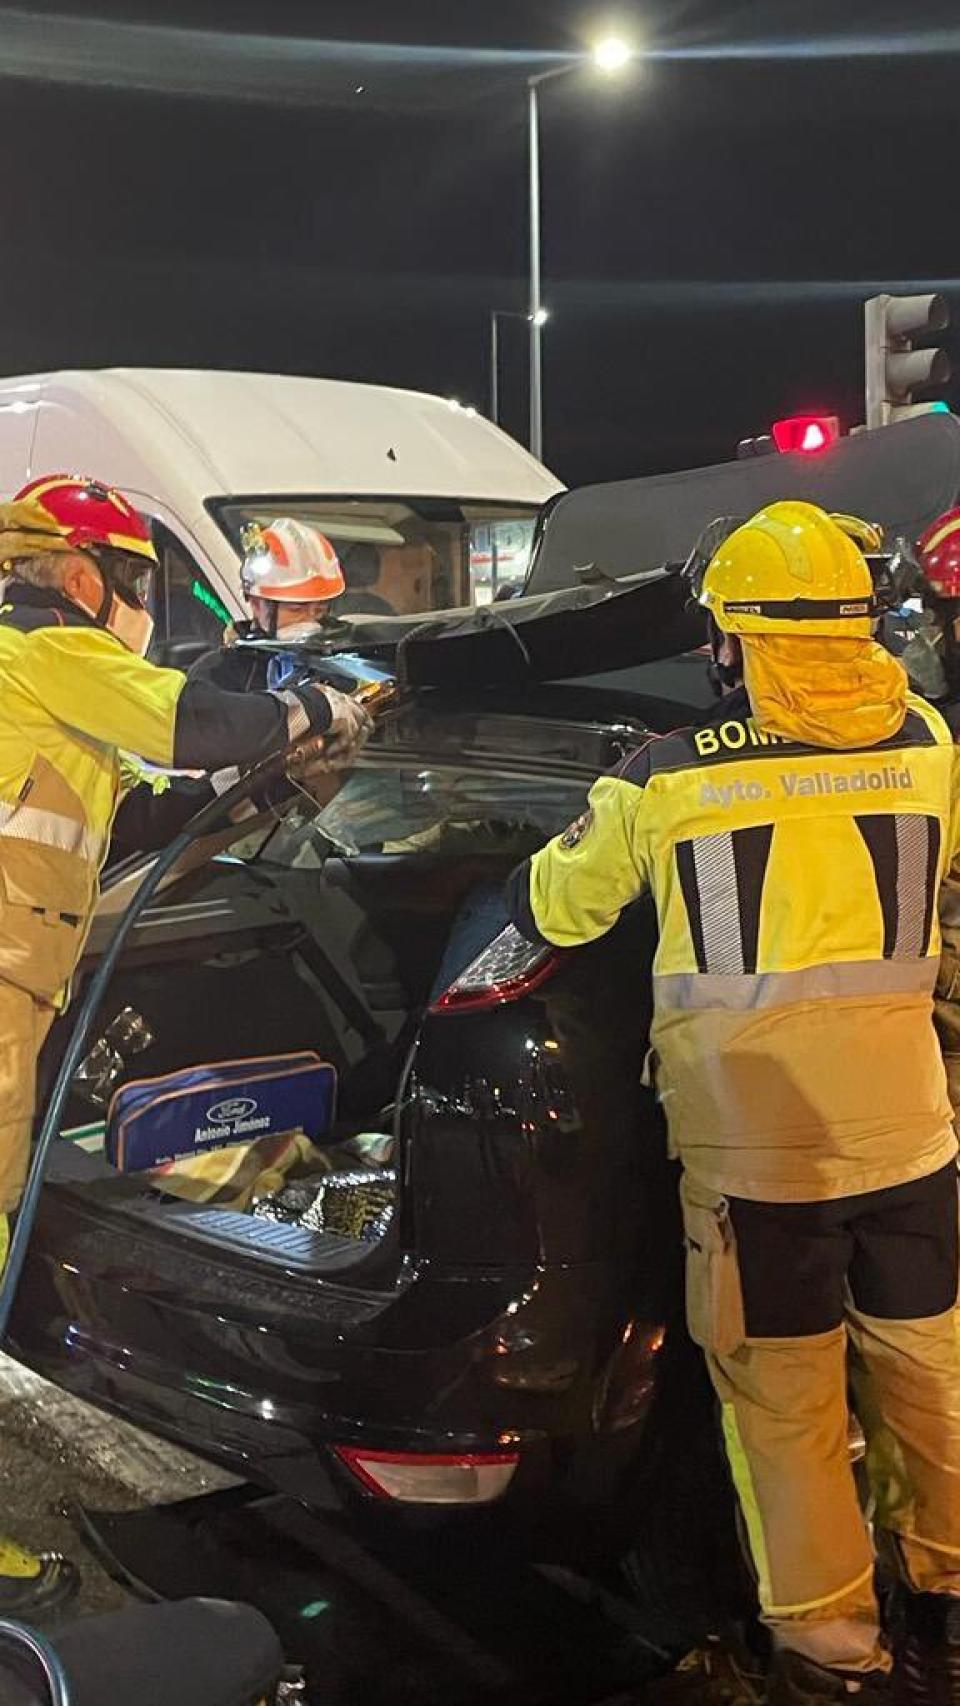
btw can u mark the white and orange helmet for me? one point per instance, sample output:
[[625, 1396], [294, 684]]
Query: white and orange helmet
[[290, 562]]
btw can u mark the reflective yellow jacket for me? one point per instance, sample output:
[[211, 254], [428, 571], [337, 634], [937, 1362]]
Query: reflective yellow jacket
[[795, 890], [71, 697]]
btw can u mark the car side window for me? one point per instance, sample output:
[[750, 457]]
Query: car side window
[[186, 611]]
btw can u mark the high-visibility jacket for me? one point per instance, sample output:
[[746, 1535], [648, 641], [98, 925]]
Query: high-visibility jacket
[[72, 697], [795, 888]]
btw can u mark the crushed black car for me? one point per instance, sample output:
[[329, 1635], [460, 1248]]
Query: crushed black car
[[467, 1299]]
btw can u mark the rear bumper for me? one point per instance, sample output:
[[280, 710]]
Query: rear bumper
[[267, 1376]]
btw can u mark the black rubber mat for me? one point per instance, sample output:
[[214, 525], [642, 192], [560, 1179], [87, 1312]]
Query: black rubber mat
[[280, 1245]]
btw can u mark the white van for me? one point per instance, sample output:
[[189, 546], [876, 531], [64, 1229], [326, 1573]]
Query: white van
[[429, 505]]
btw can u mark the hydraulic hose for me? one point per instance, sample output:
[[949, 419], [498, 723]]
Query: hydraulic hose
[[208, 818], [45, 1659]]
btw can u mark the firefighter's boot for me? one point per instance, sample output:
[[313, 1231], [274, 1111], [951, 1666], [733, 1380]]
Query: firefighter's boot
[[925, 1628], [34, 1583], [797, 1681]]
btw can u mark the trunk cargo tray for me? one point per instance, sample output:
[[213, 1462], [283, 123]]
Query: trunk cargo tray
[[268, 1241]]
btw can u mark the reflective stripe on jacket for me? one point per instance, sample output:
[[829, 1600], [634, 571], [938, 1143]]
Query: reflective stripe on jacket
[[795, 890], [946, 1007], [71, 696]]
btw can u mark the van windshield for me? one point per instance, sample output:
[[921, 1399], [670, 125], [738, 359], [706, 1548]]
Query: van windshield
[[400, 558]]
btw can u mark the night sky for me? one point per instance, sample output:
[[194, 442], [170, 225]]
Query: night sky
[[199, 184]]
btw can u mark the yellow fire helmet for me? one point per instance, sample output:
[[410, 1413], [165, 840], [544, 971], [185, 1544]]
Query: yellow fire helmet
[[790, 570]]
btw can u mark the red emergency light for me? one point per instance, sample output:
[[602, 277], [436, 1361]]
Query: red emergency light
[[808, 434]]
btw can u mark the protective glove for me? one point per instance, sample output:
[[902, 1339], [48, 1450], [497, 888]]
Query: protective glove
[[337, 749]]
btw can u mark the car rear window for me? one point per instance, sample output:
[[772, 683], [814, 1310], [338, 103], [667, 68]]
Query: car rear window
[[435, 808]]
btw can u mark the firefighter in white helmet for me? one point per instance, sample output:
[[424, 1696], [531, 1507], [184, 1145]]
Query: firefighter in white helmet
[[290, 575]]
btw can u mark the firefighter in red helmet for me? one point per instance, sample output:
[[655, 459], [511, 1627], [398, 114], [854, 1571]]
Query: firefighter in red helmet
[[933, 660], [932, 657], [76, 692]]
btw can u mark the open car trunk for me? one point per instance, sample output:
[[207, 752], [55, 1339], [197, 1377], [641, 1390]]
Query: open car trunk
[[239, 962], [331, 929], [331, 932]]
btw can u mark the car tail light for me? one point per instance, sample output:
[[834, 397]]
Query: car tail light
[[429, 1478], [508, 968]]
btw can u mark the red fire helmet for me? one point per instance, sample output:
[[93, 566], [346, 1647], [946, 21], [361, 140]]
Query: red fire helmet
[[88, 514], [939, 550]]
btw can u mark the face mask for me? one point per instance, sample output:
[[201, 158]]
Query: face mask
[[130, 624], [300, 630]]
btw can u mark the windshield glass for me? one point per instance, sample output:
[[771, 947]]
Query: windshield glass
[[402, 558], [411, 808]]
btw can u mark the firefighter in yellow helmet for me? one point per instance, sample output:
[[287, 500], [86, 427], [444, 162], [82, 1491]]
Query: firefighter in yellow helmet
[[76, 691], [794, 846]]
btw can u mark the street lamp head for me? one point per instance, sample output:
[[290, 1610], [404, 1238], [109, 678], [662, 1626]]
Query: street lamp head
[[612, 54], [541, 316]]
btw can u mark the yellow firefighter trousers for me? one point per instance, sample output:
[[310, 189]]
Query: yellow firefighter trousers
[[780, 1297], [24, 1023]]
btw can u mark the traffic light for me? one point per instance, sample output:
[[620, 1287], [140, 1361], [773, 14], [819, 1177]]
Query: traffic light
[[808, 434], [894, 369]]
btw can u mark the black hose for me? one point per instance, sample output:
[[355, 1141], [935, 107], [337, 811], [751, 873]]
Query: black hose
[[203, 820]]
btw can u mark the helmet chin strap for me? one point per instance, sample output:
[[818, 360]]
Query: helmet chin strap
[[102, 617]]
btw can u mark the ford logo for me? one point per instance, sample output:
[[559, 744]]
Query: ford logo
[[237, 1108]]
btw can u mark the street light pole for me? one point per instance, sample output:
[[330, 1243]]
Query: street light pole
[[536, 318], [536, 313], [609, 56], [494, 367], [496, 315]]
